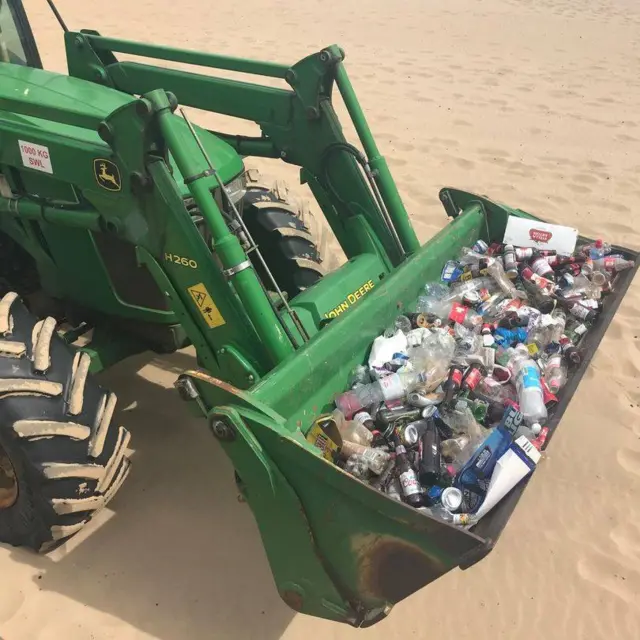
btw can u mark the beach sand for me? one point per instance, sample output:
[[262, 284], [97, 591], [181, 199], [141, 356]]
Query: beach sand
[[531, 102]]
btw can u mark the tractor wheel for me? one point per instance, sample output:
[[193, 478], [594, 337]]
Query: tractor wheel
[[288, 244], [61, 458]]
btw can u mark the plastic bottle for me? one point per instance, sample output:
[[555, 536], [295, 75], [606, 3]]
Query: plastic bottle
[[434, 294], [376, 459], [496, 271], [613, 263], [541, 440], [469, 256], [382, 481], [357, 466], [391, 387], [527, 379], [487, 335], [555, 373], [560, 323], [596, 250], [394, 490], [403, 324], [364, 418], [600, 247], [453, 448], [355, 432], [485, 284], [359, 376], [582, 286]]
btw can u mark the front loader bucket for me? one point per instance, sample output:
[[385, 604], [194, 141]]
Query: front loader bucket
[[339, 549]]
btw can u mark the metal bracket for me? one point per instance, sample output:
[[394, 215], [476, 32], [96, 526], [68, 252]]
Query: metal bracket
[[241, 266]]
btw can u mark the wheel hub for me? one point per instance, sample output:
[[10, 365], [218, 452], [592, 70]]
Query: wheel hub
[[8, 481]]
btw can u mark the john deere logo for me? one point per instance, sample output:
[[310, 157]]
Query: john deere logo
[[107, 174]]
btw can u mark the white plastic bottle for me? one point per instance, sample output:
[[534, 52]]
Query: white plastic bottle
[[526, 373]]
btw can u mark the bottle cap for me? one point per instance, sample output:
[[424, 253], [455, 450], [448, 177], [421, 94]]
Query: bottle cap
[[362, 417], [451, 499]]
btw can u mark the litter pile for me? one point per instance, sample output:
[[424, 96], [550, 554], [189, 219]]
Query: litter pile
[[450, 413]]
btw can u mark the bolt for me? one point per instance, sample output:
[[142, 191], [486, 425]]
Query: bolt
[[222, 430], [293, 599], [186, 388], [250, 377]]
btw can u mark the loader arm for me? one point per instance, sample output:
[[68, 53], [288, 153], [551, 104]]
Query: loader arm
[[299, 125]]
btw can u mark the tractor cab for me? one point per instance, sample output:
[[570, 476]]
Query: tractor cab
[[17, 44]]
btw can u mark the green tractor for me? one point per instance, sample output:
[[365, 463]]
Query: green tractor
[[128, 228]]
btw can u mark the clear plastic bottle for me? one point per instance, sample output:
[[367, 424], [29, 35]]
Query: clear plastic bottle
[[469, 256], [359, 376], [528, 384], [560, 323], [453, 447], [496, 271], [612, 263], [391, 387], [555, 373], [357, 466], [352, 430], [394, 490], [376, 459], [458, 291], [435, 293], [583, 287]]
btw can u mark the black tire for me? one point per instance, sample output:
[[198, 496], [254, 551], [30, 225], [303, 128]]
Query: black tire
[[57, 437], [287, 244]]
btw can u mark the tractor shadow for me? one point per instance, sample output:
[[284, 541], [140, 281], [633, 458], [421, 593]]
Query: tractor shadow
[[175, 554]]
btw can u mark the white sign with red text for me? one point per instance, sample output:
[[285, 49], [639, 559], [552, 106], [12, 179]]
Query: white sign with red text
[[522, 232], [35, 156]]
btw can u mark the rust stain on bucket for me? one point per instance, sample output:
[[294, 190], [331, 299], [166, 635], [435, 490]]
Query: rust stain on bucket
[[391, 568]]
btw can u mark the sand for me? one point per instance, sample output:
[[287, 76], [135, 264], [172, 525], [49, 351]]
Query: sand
[[532, 102]]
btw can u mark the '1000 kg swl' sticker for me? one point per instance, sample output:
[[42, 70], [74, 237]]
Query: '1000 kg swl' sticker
[[35, 156]]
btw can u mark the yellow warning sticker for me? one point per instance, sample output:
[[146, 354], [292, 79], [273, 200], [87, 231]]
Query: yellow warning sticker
[[206, 306]]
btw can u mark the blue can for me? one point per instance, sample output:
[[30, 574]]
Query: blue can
[[451, 272]]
